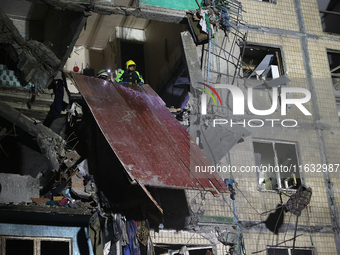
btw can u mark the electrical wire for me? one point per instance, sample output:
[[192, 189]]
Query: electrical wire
[[290, 216], [261, 214], [232, 211]]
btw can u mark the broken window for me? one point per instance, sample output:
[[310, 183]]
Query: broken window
[[268, 1], [13, 245], [262, 63], [289, 251], [334, 66], [278, 165], [329, 14], [177, 249]]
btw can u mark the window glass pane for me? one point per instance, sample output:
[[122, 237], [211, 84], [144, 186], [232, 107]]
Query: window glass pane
[[278, 252], [19, 247], [287, 158], [302, 252], [54, 248], [267, 179]]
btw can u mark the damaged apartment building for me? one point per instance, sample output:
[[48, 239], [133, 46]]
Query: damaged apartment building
[[229, 147]]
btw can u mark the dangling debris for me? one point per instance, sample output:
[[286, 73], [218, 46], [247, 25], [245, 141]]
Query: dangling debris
[[275, 219], [298, 201]]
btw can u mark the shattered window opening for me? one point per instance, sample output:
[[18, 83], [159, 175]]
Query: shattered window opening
[[262, 62], [334, 67], [35, 245], [176, 249], [268, 1], [289, 251], [329, 14], [278, 164]]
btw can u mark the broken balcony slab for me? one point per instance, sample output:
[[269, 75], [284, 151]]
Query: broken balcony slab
[[37, 214], [17, 189], [191, 59]]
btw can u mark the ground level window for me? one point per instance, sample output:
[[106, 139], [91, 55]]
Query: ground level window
[[278, 164], [262, 61], [289, 251], [14, 245]]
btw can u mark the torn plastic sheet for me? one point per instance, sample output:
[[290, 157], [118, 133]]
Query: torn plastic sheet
[[83, 169]]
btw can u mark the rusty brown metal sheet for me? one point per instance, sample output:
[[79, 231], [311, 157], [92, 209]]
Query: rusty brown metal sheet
[[154, 149]]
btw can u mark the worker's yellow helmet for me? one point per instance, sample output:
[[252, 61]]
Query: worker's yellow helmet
[[102, 72], [130, 63]]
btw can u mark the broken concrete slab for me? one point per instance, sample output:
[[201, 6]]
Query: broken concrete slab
[[71, 158], [17, 189], [106, 8], [35, 62], [78, 187], [50, 143], [192, 61]]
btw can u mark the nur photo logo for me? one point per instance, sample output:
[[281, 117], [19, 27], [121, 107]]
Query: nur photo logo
[[238, 105], [204, 98]]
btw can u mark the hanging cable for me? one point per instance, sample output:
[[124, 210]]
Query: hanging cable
[[284, 238], [263, 213], [241, 248], [310, 231]]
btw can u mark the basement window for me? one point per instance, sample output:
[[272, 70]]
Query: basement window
[[334, 67], [278, 165], [329, 13], [262, 62], [289, 251], [13, 245]]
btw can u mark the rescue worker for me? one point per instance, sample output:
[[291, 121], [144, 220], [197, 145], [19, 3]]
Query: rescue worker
[[130, 75], [102, 74]]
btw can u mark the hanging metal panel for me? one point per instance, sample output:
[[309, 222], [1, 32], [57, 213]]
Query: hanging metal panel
[[154, 149]]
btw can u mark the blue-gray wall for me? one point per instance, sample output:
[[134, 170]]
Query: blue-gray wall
[[76, 233]]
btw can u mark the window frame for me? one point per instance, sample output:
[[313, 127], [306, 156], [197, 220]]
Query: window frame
[[278, 176], [335, 76], [36, 242], [289, 248], [327, 12], [279, 54], [269, 1]]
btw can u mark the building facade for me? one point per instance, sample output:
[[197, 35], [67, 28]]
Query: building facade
[[270, 47]]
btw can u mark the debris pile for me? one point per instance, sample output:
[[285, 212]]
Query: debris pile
[[75, 189]]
